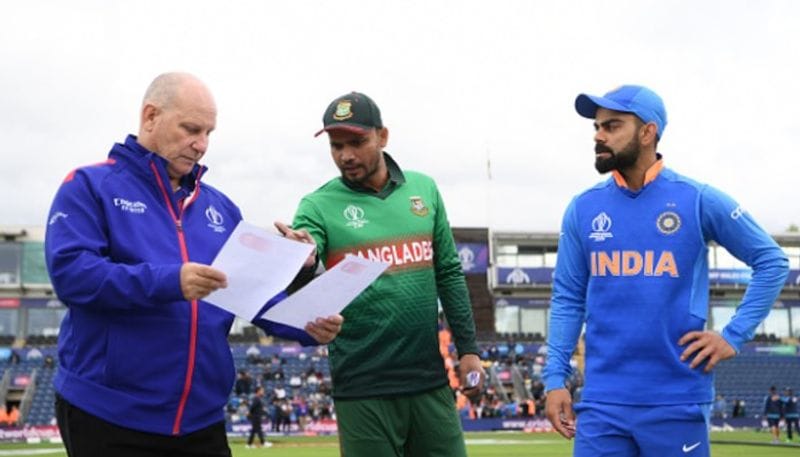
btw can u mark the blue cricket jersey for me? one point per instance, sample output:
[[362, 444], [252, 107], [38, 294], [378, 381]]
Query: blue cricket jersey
[[634, 267]]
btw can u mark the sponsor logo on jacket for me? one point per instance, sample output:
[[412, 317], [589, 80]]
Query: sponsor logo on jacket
[[56, 216], [129, 206], [633, 263]]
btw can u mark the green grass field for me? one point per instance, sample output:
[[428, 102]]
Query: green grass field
[[498, 444]]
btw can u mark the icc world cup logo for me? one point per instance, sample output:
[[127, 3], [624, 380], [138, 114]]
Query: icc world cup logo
[[354, 216]]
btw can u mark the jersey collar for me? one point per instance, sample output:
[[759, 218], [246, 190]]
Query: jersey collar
[[649, 176], [396, 178]]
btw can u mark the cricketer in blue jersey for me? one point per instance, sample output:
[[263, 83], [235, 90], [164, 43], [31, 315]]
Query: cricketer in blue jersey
[[632, 266]]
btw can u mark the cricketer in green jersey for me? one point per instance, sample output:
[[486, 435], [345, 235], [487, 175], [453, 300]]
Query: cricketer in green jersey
[[390, 387]]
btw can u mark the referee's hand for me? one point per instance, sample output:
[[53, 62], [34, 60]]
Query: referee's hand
[[198, 280]]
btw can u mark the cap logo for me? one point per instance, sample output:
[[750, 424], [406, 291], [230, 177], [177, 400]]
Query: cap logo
[[343, 110]]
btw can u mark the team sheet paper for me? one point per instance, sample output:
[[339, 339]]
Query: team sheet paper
[[328, 294], [260, 264]]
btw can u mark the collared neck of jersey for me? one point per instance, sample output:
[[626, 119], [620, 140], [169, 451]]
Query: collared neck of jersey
[[649, 176], [396, 178]]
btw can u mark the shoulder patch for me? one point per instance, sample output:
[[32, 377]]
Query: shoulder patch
[[71, 174]]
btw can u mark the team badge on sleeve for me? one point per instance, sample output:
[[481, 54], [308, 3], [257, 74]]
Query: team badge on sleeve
[[668, 222], [737, 212], [418, 206]]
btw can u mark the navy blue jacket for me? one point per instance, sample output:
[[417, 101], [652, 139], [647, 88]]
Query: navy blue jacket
[[132, 350]]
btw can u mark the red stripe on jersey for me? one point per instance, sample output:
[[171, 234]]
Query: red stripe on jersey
[[71, 174]]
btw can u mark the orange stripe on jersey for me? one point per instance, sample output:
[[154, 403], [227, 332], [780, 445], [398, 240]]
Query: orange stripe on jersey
[[649, 176], [71, 174]]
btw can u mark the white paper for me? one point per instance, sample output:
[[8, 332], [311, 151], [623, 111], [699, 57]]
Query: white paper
[[328, 294], [258, 264]]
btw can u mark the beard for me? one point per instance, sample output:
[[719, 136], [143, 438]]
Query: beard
[[360, 174], [619, 161]]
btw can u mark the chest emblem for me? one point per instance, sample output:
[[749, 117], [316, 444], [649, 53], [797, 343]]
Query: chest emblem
[[418, 206], [355, 216], [215, 220], [601, 227], [668, 222]]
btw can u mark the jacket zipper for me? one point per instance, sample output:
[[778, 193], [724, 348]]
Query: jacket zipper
[[187, 383]]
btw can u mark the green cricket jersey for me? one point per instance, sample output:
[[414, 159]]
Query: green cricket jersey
[[389, 341]]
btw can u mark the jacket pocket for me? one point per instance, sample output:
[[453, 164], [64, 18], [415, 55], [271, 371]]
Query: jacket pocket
[[147, 356]]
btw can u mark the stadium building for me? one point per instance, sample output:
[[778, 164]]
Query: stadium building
[[509, 276]]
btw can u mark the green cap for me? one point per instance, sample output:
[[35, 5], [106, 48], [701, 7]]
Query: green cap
[[354, 112]]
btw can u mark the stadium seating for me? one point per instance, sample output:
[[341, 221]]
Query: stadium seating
[[748, 377]]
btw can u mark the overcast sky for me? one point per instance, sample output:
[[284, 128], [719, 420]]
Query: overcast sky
[[459, 83]]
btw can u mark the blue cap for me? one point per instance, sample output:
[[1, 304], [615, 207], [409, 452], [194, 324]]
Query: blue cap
[[638, 100]]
